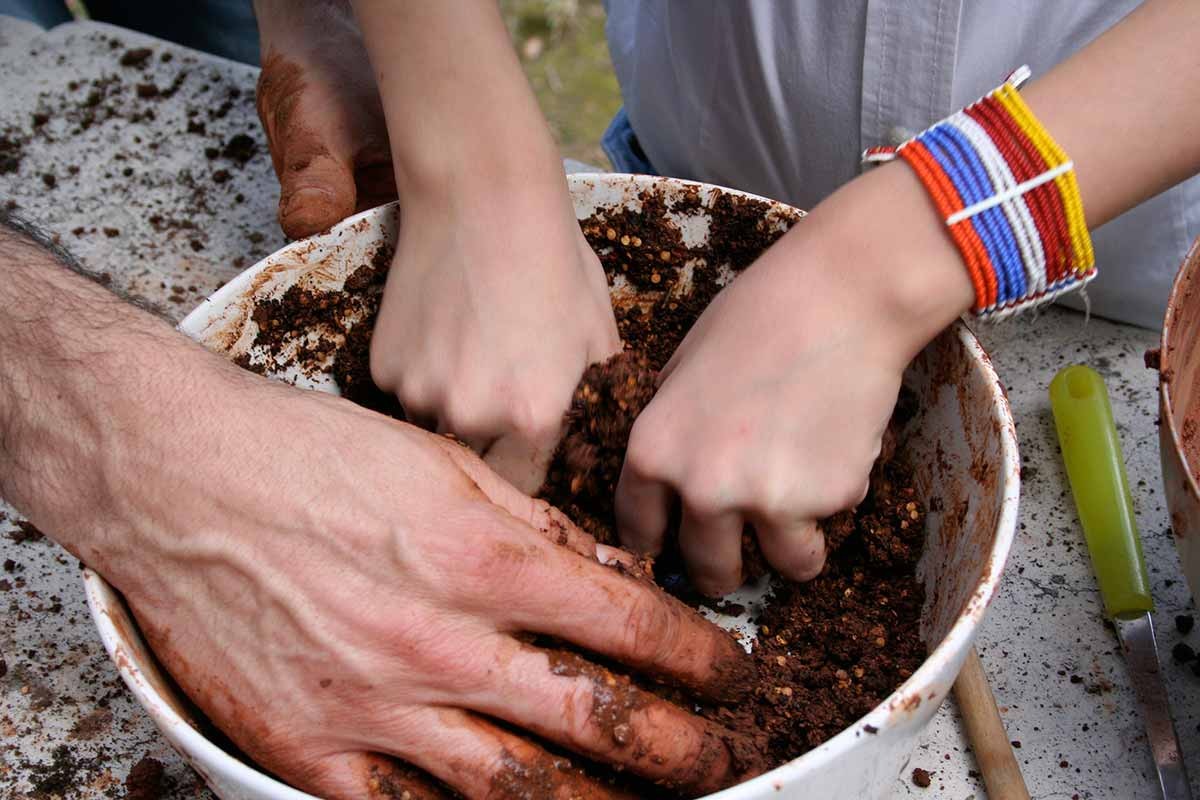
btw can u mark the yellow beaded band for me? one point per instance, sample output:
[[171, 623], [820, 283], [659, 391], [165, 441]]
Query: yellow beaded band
[[1068, 187]]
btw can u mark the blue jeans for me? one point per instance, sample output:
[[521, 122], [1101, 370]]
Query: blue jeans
[[222, 27], [623, 149]]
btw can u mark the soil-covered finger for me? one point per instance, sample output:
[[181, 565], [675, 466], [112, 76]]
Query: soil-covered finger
[[628, 620], [353, 776], [567, 699], [310, 148], [316, 188], [482, 761], [625, 562]]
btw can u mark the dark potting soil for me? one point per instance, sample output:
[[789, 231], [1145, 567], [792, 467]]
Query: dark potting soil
[[146, 781], [330, 320], [829, 650]]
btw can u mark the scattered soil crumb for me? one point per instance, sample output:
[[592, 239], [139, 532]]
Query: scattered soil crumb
[[26, 532], [136, 57], [920, 777], [240, 148], [12, 151], [63, 774], [91, 725], [146, 781]]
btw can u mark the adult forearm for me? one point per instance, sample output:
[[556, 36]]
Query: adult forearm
[[87, 384], [458, 107]]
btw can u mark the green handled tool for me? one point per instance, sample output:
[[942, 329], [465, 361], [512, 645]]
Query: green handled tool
[[1096, 470], [1092, 453]]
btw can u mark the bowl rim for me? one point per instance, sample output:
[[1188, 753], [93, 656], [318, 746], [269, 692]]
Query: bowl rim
[[883, 717], [1189, 272]]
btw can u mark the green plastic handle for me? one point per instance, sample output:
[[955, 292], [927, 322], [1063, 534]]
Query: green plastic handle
[[1092, 453]]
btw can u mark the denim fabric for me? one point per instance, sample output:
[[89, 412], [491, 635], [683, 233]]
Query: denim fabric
[[46, 13], [622, 148], [222, 27]]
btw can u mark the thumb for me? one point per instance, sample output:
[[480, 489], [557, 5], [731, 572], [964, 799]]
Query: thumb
[[316, 188], [310, 148]]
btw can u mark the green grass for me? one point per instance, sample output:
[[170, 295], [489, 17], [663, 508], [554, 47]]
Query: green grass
[[565, 56]]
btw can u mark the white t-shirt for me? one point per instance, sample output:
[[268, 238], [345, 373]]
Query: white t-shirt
[[780, 97]]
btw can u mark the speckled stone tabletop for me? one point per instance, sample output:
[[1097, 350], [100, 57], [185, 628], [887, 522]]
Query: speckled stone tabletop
[[143, 171]]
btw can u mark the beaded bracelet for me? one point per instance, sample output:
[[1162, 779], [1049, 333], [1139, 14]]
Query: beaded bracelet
[[1009, 197]]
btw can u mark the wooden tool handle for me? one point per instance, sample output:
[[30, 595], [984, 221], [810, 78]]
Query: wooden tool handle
[[985, 732]]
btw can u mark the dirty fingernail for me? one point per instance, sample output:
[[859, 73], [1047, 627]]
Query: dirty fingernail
[[310, 210], [611, 556]]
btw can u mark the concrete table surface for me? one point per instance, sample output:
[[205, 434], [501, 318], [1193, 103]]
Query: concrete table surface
[[150, 187]]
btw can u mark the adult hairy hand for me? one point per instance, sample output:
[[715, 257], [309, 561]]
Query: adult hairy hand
[[368, 593], [332, 587], [321, 111], [772, 411]]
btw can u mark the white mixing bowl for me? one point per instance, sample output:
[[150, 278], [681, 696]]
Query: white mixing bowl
[[962, 443]]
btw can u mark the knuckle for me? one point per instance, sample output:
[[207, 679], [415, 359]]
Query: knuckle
[[775, 498], [544, 517], [648, 630], [535, 419], [709, 489], [460, 414], [848, 490], [558, 527], [495, 564], [385, 369], [647, 456], [277, 749], [308, 771], [579, 699], [454, 668], [852, 494], [448, 661], [418, 397]]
